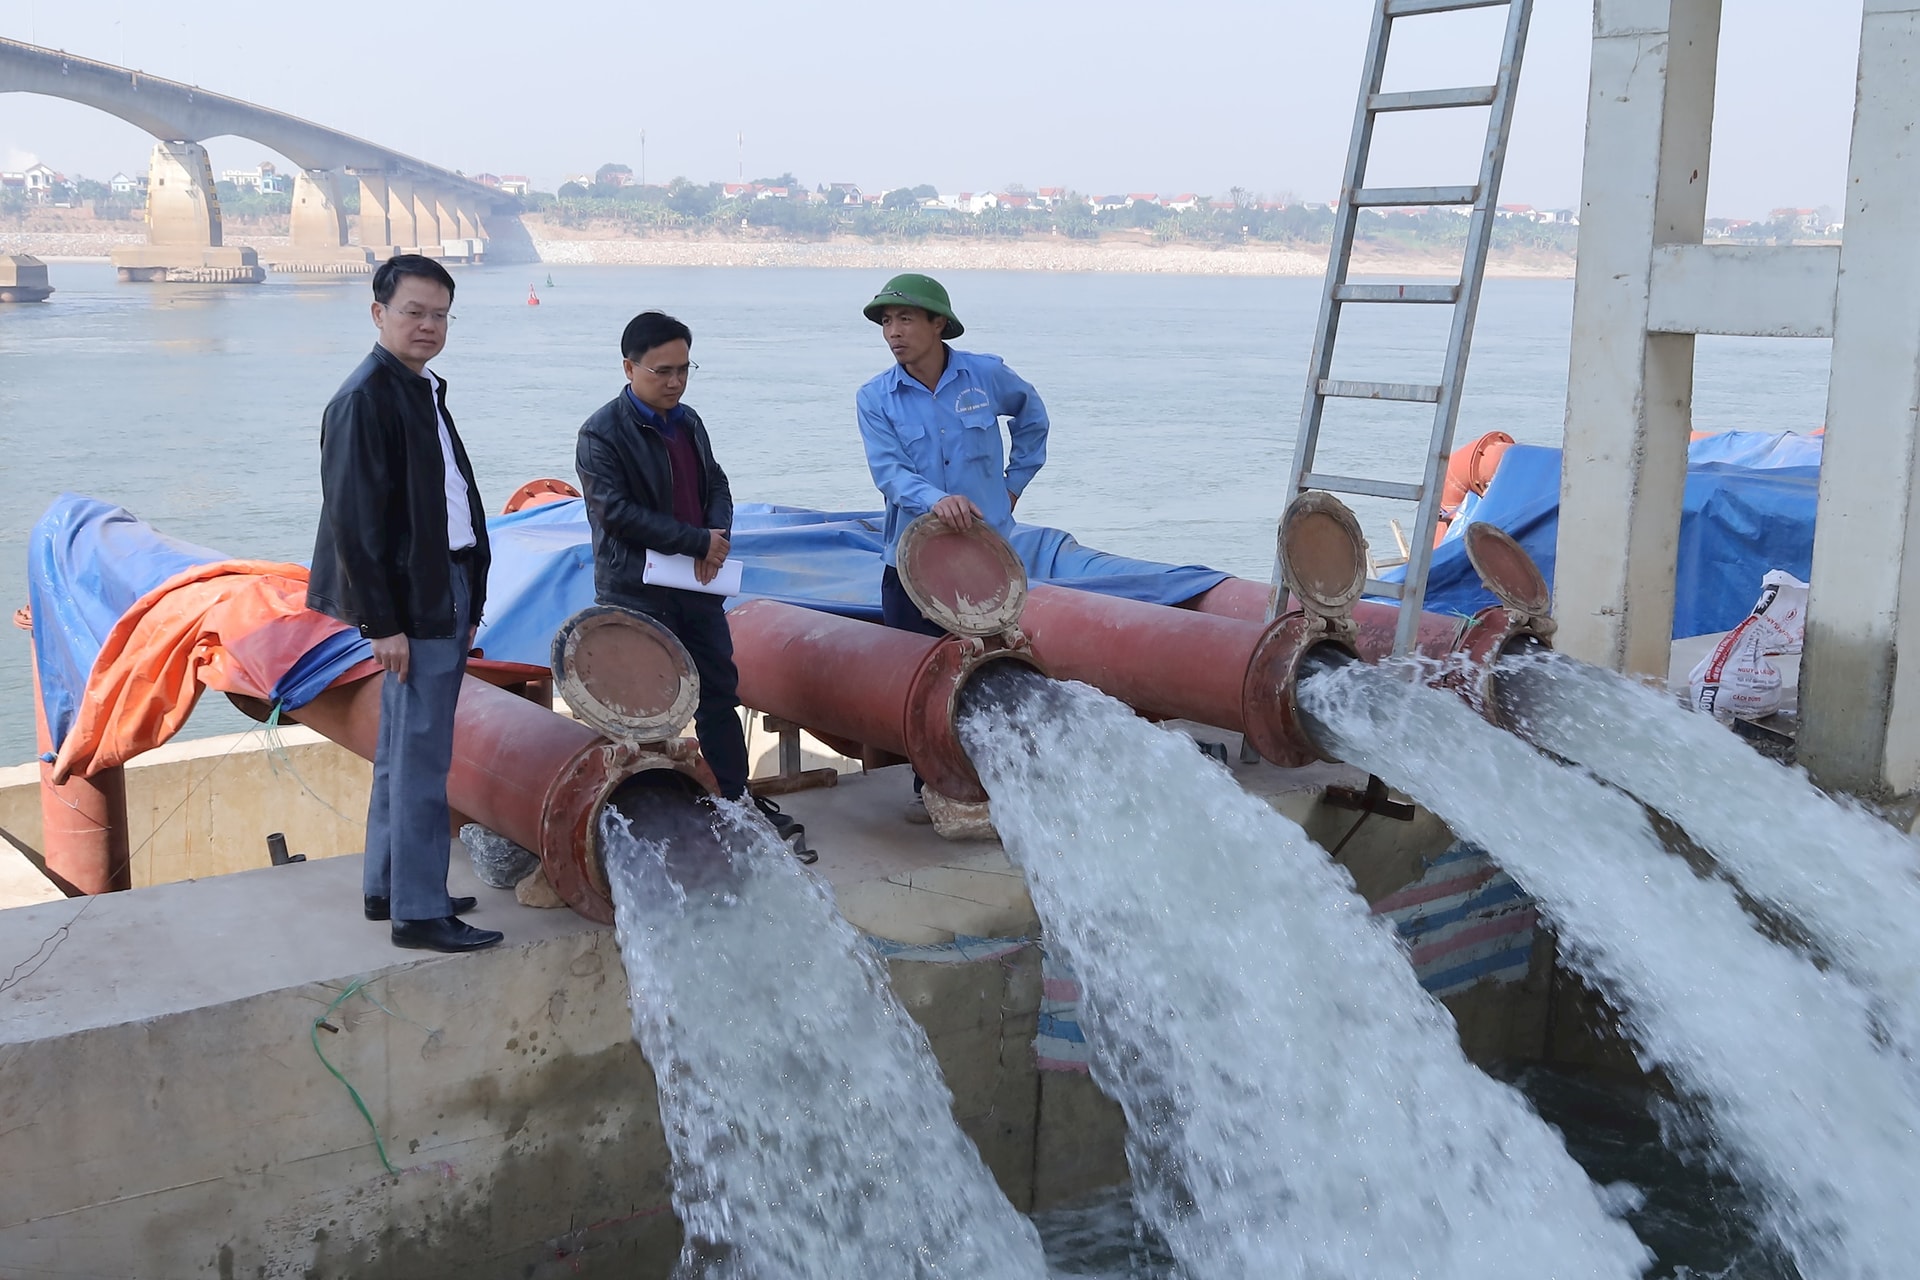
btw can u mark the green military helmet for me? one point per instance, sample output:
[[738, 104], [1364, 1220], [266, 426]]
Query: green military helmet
[[913, 290]]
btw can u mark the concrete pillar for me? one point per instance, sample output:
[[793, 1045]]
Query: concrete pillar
[[466, 219], [426, 217], [1630, 392], [1859, 703], [400, 220], [375, 232], [183, 209], [444, 212], [318, 220], [184, 243]]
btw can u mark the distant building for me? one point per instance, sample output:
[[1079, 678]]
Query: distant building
[[849, 192], [1181, 203], [1101, 203], [1142, 197], [1048, 197], [737, 190], [1516, 212], [1014, 200], [517, 184], [487, 179], [263, 177], [41, 183], [1805, 222], [122, 185]]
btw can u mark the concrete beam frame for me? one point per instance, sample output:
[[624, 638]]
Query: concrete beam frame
[[1860, 704], [1630, 388], [1645, 285]]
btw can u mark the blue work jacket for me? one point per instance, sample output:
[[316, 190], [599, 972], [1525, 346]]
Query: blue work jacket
[[924, 445]]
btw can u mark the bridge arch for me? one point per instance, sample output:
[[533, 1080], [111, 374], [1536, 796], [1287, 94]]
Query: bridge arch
[[405, 202]]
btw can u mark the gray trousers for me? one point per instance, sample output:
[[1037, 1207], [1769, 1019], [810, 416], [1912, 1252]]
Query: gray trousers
[[407, 819]]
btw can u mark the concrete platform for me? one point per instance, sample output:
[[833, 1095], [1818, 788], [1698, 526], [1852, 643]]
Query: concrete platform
[[166, 1113]]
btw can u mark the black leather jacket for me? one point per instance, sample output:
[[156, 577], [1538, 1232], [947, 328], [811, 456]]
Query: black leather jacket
[[380, 559], [627, 480]]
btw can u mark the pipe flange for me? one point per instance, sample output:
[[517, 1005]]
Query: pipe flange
[[1521, 617], [1510, 574], [970, 584], [538, 493], [1323, 560], [570, 818], [625, 674], [932, 709], [1270, 694]]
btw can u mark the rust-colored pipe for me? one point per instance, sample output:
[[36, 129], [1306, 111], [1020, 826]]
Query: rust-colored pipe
[[1171, 663], [83, 821], [1374, 623], [1179, 663], [860, 682], [535, 777]]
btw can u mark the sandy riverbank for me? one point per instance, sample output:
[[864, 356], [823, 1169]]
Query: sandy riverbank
[[598, 246], [556, 245]]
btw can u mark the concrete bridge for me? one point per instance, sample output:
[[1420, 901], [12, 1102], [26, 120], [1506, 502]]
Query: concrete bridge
[[406, 205]]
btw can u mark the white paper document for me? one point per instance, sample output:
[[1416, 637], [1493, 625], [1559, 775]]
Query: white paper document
[[677, 571]]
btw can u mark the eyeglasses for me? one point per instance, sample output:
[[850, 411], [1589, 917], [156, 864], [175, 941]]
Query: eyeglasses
[[413, 315], [669, 372]]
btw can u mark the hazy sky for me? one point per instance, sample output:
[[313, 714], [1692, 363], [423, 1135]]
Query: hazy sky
[[1117, 96]]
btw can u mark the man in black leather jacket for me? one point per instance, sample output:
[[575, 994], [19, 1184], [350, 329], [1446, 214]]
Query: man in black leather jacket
[[402, 554], [651, 483]]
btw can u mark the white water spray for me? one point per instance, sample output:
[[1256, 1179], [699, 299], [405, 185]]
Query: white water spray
[[1808, 1110], [1850, 880], [1297, 1106], [811, 1133]]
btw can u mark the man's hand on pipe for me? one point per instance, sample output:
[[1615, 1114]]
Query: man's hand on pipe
[[957, 513]]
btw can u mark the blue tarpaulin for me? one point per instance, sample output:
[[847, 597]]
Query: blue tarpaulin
[[1749, 507], [828, 560], [90, 561]]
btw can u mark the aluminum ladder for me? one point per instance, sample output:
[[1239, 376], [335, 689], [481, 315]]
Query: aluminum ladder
[[1463, 297]]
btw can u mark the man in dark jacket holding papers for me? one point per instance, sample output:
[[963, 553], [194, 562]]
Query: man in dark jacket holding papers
[[651, 483]]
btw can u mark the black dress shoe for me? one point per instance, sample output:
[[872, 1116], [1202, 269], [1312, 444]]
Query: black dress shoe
[[449, 933], [382, 908]]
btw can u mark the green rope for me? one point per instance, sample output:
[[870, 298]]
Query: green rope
[[352, 1092]]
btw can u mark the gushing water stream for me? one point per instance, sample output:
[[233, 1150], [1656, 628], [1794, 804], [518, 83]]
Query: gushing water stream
[[1297, 1106], [1813, 1114], [812, 1136], [1847, 878]]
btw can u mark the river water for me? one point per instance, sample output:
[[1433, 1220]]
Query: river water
[[1174, 399]]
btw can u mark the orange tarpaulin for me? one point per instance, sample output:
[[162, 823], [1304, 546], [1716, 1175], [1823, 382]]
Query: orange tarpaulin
[[234, 625]]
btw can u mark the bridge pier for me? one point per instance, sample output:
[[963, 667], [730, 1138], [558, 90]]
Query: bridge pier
[[426, 220], [184, 236], [375, 233], [317, 239], [401, 223]]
